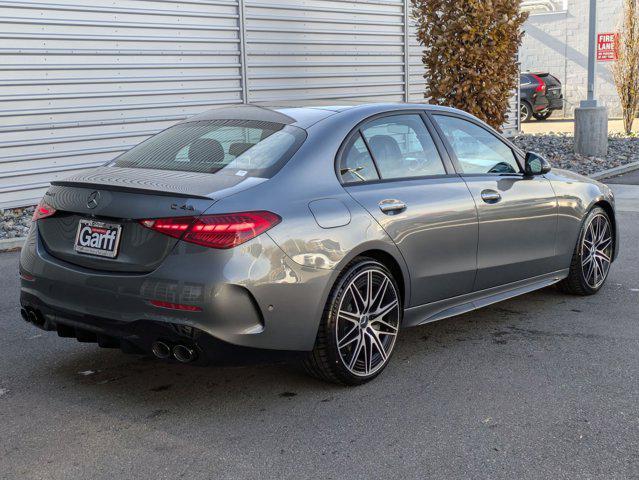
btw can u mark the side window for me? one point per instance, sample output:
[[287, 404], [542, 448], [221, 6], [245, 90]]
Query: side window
[[402, 147], [357, 164], [477, 150]]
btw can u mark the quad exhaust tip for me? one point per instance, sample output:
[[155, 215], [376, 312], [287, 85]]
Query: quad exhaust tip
[[161, 349], [34, 316], [184, 354], [181, 353]]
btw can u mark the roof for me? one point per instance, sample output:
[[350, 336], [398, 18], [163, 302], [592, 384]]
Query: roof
[[302, 117], [305, 116]]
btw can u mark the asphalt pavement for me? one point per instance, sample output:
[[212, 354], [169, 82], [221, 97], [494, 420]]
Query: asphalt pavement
[[544, 386]]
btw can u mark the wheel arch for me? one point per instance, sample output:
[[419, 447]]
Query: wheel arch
[[391, 263], [387, 256], [576, 282], [529, 105], [610, 211]]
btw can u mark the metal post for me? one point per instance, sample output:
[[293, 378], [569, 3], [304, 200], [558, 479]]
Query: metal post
[[243, 65], [591, 120], [406, 51], [592, 45], [517, 115]]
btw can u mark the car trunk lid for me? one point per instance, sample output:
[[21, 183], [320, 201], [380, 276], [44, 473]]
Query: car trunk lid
[[108, 203]]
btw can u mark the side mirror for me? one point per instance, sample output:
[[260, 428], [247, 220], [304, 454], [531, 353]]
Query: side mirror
[[535, 164]]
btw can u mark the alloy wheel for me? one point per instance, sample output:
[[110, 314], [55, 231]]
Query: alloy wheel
[[367, 322], [523, 112], [596, 251]]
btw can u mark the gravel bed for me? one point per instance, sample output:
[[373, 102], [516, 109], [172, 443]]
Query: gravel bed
[[558, 150], [556, 147], [15, 222]]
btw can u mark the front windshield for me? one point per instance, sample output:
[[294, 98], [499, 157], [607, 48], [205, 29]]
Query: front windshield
[[227, 147]]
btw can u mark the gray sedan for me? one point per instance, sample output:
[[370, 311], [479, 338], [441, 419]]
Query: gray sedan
[[318, 232]]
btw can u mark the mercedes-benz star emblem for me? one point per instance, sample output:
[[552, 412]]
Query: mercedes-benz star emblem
[[93, 199]]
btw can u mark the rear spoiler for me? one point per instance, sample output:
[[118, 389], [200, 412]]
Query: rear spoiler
[[125, 188]]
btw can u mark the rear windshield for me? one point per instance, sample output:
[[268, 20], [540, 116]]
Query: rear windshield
[[552, 80], [226, 147]]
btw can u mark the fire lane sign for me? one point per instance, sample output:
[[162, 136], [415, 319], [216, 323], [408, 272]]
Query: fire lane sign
[[607, 47]]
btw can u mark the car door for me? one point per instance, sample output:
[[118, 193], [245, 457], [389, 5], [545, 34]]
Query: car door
[[394, 168], [517, 213]]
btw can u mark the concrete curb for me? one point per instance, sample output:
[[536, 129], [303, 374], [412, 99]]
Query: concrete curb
[[11, 244], [613, 172]]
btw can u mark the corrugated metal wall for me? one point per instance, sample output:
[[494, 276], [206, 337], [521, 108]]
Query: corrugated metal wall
[[83, 81], [319, 50]]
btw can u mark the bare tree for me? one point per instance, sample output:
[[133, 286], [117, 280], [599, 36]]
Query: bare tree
[[626, 69], [470, 54]]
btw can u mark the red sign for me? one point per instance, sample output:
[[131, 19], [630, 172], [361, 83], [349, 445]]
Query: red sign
[[607, 47]]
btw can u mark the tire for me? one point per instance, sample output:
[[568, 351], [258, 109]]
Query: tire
[[542, 117], [589, 272], [525, 111], [353, 347]]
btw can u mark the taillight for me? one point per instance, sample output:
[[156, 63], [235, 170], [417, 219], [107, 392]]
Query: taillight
[[541, 85], [215, 231], [42, 211]]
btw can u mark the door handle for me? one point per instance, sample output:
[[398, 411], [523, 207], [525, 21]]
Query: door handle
[[490, 196], [391, 205]]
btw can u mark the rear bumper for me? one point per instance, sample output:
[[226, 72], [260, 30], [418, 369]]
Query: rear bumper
[[139, 336], [251, 296], [556, 104], [544, 103]]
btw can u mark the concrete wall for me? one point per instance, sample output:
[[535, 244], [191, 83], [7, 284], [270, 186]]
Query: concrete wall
[[558, 43]]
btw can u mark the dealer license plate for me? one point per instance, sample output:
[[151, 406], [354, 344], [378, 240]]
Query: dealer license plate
[[98, 238]]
